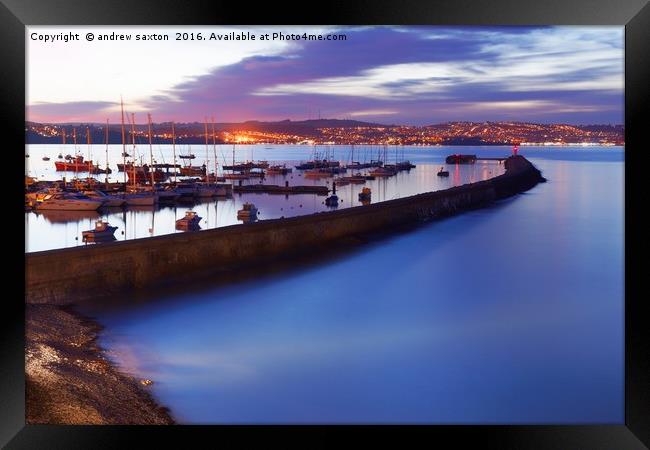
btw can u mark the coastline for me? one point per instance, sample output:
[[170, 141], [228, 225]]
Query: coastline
[[69, 379]]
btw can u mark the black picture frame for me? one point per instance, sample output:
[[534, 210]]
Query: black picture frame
[[633, 14]]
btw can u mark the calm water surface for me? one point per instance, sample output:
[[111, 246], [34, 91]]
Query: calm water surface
[[509, 314]]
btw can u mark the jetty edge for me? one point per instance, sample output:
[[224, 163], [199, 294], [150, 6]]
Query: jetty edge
[[72, 275]]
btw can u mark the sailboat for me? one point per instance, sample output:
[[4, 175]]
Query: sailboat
[[133, 198], [221, 190], [204, 189], [232, 175], [95, 169], [76, 163]]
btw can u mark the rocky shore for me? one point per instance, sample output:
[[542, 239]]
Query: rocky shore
[[69, 380]]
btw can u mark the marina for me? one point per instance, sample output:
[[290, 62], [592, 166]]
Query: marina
[[276, 195]]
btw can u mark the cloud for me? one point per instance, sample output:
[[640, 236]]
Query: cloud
[[69, 111], [416, 75]]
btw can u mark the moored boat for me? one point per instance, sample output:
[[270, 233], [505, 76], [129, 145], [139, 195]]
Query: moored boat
[[109, 200], [236, 176], [365, 194], [356, 165], [140, 199], [67, 201], [332, 200], [76, 164], [460, 159], [102, 230], [404, 165], [167, 195], [317, 164], [189, 222], [248, 212], [385, 171], [189, 171], [278, 170]]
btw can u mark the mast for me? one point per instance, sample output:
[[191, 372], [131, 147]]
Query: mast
[[74, 139], [133, 142], [174, 150], [150, 152], [123, 145], [65, 162], [90, 154], [207, 160], [214, 149], [106, 154]]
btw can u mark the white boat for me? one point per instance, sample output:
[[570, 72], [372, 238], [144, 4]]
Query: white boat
[[109, 200], [68, 202], [102, 230]]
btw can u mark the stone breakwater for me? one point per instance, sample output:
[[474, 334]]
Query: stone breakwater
[[75, 274]]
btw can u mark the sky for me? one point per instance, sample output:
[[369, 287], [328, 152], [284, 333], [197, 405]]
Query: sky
[[415, 75]]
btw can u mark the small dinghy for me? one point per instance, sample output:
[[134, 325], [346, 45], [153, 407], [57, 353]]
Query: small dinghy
[[103, 231], [443, 173], [333, 200], [365, 194], [247, 213], [189, 222]]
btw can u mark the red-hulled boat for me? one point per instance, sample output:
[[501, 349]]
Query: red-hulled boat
[[76, 164]]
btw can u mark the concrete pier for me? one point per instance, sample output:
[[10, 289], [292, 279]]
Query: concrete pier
[[75, 274]]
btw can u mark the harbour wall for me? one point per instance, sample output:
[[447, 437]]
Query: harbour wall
[[76, 274]]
